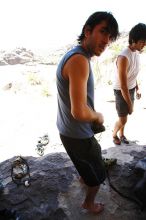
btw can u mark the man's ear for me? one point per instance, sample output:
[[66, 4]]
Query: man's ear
[[87, 31]]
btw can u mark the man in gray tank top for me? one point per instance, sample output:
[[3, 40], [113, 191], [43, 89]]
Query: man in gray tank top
[[77, 118]]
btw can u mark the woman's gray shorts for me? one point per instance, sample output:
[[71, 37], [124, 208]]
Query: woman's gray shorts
[[121, 104], [86, 157]]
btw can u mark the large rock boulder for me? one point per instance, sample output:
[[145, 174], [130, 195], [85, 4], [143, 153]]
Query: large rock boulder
[[17, 56], [56, 194]]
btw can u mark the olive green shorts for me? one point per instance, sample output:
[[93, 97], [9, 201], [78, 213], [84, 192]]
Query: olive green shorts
[[121, 104]]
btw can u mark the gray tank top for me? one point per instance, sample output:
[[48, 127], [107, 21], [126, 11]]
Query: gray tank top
[[67, 125]]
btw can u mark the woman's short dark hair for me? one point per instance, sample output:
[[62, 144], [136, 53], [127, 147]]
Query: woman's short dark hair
[[95, 19], [138, 32]]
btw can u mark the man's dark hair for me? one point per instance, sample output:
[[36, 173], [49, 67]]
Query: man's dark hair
[[138, 32], [95, 19]]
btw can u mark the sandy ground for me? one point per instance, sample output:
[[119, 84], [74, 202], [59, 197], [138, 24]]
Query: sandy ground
[[25, 115]]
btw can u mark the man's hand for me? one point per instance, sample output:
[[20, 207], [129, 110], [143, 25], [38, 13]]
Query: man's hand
[[130, 109], [98, 126], [100, 118], [138, 94]]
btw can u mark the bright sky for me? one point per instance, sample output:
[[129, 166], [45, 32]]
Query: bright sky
[[53, 23]]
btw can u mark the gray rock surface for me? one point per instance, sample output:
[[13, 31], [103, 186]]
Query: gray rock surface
[[56, 194], [17, 56]]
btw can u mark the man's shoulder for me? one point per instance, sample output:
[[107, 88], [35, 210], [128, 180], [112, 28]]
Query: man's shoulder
[[125, 53]]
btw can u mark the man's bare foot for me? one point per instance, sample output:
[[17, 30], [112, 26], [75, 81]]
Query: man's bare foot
[[95, 208]]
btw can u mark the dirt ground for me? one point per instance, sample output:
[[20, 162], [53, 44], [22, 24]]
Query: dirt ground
[[25, 115]]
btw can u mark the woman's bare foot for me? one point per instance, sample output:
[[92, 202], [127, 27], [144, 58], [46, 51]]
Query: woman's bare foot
[[95, 208]]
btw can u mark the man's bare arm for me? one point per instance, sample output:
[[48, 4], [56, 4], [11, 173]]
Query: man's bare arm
[[76, 70]]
